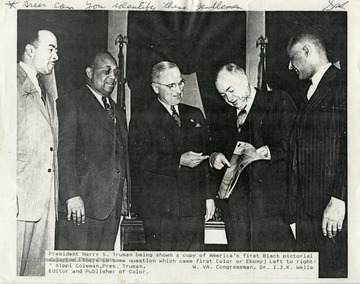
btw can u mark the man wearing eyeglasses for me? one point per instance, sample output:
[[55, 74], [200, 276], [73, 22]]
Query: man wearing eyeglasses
[[93, 161], [168, 150]]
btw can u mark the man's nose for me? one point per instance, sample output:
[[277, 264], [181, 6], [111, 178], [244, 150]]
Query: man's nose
[[55, 56], [229, 97], [290, 66], [178, 89]]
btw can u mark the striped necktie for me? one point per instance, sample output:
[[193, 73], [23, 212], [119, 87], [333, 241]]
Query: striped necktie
[[176, 116], [109, 109], [42, 88], [241, 118]]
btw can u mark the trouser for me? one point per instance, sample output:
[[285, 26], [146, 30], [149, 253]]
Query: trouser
[[33, 239], [174, 233], [332, 252], [261, 234], [92, 235]]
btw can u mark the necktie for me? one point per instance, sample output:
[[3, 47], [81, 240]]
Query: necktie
[[241, 118], [42, 88], [109, 109], [176, 116]]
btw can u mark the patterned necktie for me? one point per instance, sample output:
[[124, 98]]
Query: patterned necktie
[[176, 116], [42, 88], [241, 118], [109, 109]]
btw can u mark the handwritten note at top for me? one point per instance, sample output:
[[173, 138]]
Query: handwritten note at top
[[148, 6], [331, 5]]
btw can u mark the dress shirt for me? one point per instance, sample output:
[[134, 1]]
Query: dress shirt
[[249, 101], [168, 108], [316, 79], [98, 97]]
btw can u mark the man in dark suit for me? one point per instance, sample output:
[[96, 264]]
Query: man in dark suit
[[253, 214], [93, 161], [167, 142], [317, 200]]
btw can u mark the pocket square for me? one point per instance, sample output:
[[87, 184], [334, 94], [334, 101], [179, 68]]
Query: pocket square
[[197, 125]]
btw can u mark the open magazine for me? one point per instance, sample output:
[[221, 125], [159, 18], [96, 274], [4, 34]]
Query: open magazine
[[244, 153]]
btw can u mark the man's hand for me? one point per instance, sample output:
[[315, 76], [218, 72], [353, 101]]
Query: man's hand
[[191, 159], [210, 209], [218, 160], [333, 217], [76, 210]]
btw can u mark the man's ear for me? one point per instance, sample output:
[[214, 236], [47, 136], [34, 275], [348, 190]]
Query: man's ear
[[307, 49], [155, 87], [30, 50], [89, 72]]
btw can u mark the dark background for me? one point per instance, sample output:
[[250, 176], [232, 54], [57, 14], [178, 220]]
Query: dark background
[[280, 26], [78, 33], [197, 42]]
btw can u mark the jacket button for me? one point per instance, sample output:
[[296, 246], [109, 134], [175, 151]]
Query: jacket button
[[117, 170], [260, 180], [51, 148], [49, 170]]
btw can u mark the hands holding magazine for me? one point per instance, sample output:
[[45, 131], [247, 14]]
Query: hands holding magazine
[[244, 153]]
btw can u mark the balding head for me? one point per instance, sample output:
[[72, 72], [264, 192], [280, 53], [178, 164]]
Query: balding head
[[102, 73], [232, 84]]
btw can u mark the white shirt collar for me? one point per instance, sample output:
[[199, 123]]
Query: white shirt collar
[[168, 107], [315, 80], [31, 74], [98, 96]]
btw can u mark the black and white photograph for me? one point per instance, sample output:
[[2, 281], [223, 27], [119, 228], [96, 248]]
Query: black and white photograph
[[123, 127]]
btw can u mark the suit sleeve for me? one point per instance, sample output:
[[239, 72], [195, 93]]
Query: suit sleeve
[[286, 114], [338, 120], [68, 121], [145, 155]]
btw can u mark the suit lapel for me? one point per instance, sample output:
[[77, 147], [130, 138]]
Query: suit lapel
[[31, 93], [96, 111], [169, 126], [321, 90]]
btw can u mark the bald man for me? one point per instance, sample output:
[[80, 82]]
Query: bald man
[[37, 139], [319, 149], [93, 161]]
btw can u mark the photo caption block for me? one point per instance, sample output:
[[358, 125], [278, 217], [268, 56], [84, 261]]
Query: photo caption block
[[181, 264]]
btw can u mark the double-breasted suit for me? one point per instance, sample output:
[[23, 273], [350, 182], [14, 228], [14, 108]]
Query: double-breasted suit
[[163, 188], [93, 164], [37, 173], [253, 214], [319, 169]]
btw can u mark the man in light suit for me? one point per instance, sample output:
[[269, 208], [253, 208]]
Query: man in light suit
[[168, 142], [93, 161], [254, 213], [37, 142], [317, 200]]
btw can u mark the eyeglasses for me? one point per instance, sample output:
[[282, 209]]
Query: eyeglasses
[[107, 70], [172, 86]]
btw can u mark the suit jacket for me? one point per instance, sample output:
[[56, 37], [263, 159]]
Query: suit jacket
[[37, 144], [93, 154], [319, 146], [156, 144], [262, 186]]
